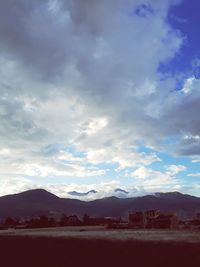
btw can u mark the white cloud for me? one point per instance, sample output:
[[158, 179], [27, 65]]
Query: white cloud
[[188, 85], [123, 156], [142, 173], [20, 184], [96, 125], [75, 74], [195, 160], [154, 181], [58, 169], [174, 169], [194, 174], [15, 185]]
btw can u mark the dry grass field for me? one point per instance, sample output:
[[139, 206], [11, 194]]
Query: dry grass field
[[100, 232], [95, 246]]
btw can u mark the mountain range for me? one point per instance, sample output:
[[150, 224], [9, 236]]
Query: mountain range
[[82, 194], [41, 202], [121, 191], [117, 192]]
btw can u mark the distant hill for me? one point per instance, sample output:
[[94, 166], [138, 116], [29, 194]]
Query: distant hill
[[80, 194], [39, 201], [121, 191]]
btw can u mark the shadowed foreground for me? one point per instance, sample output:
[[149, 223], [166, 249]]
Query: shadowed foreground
[[60, 252]]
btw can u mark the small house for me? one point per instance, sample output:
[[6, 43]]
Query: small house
[[151, 216], [73, 220], [137, 220], [198, 216], [166, 221], [87, 220]]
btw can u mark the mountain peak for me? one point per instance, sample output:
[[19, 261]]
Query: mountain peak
[[39, 201], [172, 195], [121, 191], [81, 194], [38, 193]]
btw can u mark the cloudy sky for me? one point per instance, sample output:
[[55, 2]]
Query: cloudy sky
[[100, 95]]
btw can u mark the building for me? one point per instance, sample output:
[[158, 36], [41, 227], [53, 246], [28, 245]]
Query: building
[[151, 216], [137, 220], [153, 219], [87, 220], [166, 221], [198, 216], [73, 220]]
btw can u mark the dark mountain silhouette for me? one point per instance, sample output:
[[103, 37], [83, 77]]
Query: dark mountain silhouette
[[41, 202], [121, 191], [80, 194], [175, 196]]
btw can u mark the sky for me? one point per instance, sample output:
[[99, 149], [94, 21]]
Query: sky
[[100, 95]]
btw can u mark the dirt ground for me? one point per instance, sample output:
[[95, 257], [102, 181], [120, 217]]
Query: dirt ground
[[85, 247], [66, 252], [100, 232]]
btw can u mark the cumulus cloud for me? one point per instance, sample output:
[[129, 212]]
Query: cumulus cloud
[[194, 174], [174, 169], [75, 75], [15, 185], [20, 184], [196, 159], [153, 181]]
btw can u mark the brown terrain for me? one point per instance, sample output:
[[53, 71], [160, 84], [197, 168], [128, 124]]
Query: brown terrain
[[96, 246]]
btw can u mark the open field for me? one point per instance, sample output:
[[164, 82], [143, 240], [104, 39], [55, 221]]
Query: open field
[[95, 246], [60, 252], [100, 232]]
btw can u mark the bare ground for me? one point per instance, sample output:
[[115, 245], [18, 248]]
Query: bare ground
[[96, 247], [100, 232]]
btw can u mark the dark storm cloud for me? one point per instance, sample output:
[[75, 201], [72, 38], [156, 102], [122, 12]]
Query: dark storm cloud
[[31, 33], [83, 75], [96, 48], [47, 35]]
